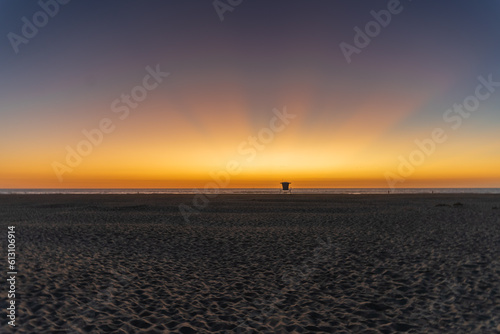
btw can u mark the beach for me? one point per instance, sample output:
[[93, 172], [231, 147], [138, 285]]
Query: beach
[[415, 263]]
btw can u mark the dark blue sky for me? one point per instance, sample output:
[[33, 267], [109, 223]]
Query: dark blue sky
[[264, 54]]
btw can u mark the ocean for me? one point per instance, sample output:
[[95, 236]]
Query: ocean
[[352, 191]]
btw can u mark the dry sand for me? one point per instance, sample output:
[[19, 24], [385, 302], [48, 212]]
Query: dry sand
[[255, 263]]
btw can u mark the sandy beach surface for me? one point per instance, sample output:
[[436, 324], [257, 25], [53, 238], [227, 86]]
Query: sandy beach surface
[[254, 263]]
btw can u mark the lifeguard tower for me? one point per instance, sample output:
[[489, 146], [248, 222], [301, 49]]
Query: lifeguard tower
[[285, 188]]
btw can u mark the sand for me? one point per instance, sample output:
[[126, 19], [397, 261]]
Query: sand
[[255, 263]]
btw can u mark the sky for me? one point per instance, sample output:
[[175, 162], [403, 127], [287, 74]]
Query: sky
[[321, 93]]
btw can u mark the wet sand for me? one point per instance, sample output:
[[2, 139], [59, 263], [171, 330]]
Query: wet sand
[[255, 263]]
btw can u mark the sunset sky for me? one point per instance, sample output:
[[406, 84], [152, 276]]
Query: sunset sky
[[349, 125]]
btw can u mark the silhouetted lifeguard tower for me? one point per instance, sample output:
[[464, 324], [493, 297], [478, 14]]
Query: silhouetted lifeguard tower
[[285, 188]]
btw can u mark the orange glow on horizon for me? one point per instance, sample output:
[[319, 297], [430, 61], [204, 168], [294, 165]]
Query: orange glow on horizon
[[169, 144]]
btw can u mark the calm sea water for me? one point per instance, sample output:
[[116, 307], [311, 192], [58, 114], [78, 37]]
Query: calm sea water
[[353, 191]]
